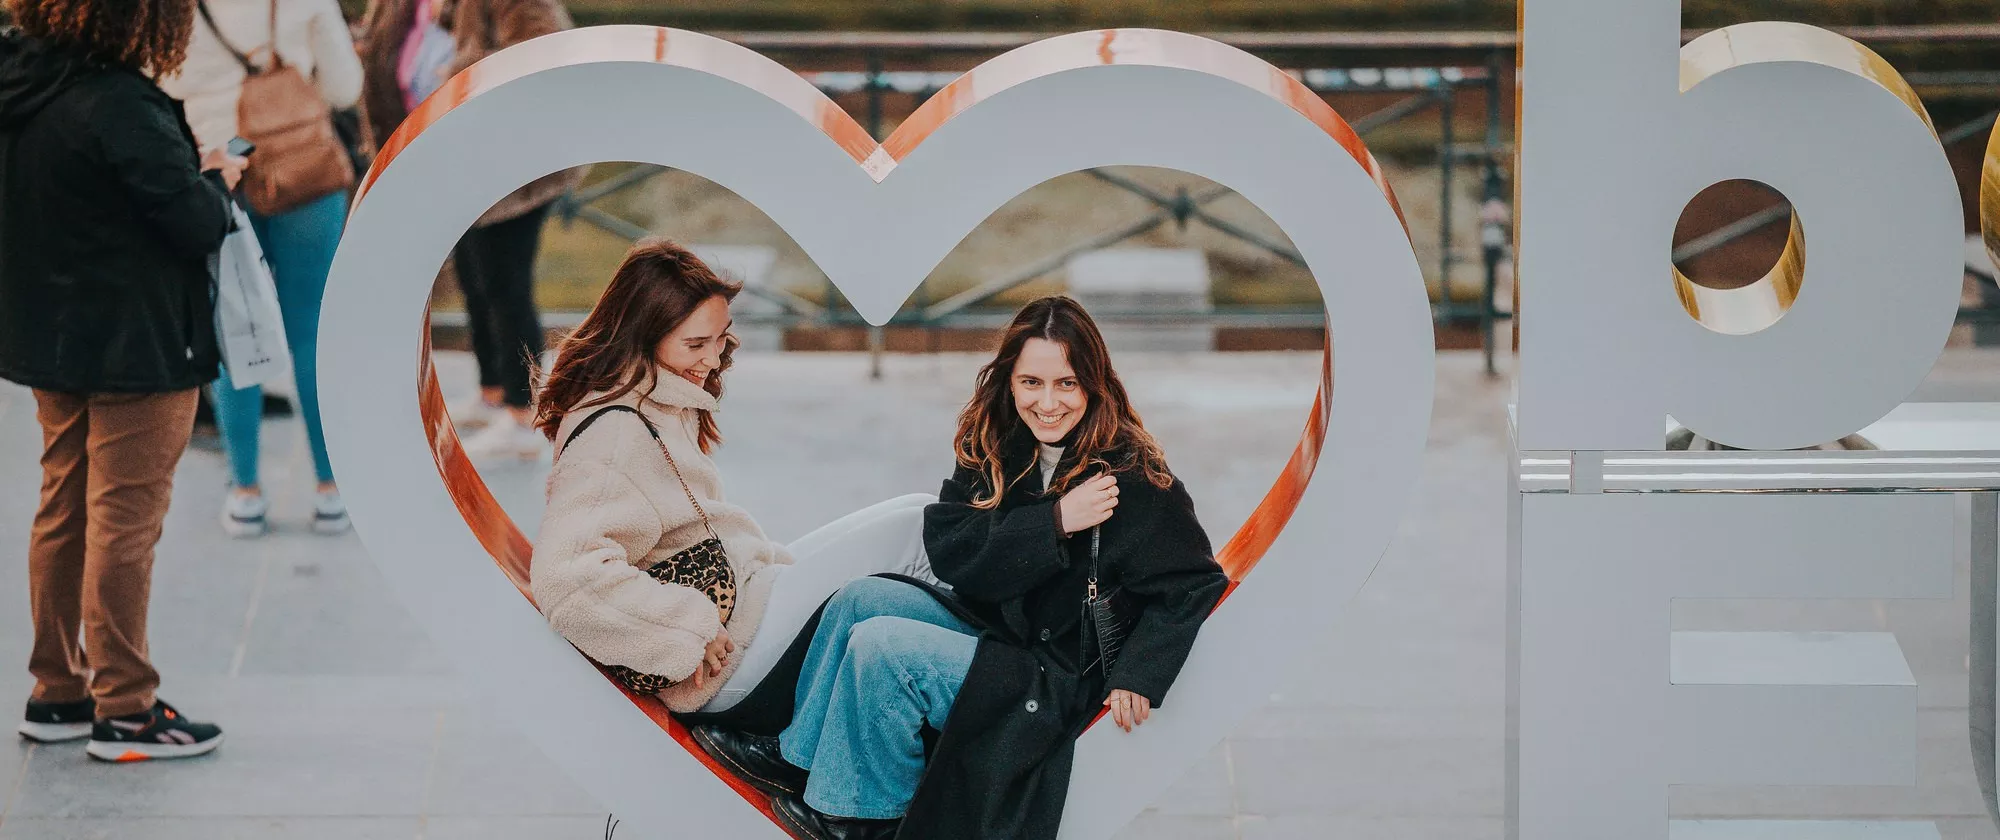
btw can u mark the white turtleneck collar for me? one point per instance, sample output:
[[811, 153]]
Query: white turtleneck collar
[[673, 391], [1048, 456]]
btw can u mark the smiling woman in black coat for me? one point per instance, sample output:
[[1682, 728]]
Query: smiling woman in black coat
[[1007, 664]]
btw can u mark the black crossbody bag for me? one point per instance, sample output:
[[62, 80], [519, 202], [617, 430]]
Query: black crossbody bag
[[1109, 614]]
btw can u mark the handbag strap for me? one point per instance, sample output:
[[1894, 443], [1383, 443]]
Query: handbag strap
[[655, 432], [1094, 540]]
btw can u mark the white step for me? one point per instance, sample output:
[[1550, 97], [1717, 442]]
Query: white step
[[1137, 276], [1800, 830], [1792, 709]]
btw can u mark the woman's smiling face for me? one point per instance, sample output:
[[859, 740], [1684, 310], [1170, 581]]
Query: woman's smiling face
[[1046, 392], [694, 349]]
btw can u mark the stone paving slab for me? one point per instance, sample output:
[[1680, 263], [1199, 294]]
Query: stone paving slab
[[344, 721], [211, 828]]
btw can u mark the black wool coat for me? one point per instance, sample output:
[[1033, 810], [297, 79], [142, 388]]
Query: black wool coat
[[1000, 768], [106, 229]]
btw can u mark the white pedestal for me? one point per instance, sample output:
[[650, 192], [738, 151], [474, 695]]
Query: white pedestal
[[1608, 708]]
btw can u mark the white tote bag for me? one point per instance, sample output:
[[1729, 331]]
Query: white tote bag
[[248, 324]]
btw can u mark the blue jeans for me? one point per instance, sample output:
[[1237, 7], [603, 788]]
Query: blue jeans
[[886, 659], [299, 245]]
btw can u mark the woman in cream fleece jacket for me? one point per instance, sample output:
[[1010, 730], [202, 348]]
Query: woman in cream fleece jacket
[[657, 344]]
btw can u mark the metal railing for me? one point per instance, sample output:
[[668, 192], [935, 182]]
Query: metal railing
[[1423, 89]]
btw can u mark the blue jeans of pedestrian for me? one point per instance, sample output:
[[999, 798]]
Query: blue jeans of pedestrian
[[886, 659], [299, 245]]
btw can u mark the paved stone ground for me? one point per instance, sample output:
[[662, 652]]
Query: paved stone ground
[[344, 722]]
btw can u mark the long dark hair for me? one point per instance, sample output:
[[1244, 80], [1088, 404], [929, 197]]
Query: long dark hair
[[1109, 436], [655, 289], [150, 36]]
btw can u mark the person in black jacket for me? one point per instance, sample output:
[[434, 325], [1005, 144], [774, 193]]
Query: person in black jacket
[[108, 222], [1060, 495]]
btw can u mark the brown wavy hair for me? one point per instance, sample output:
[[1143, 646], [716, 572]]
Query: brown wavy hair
[[653, 292], [150, 36], [1110, 435]]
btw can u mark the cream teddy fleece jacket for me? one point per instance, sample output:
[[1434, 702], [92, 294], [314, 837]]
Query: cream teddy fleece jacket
[[614, 510]]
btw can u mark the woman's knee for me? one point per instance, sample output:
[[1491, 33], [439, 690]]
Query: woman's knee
[[873, 596], [882, 641]]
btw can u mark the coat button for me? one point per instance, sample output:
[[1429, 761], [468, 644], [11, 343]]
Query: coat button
[[1045, 634], [1033, 707]]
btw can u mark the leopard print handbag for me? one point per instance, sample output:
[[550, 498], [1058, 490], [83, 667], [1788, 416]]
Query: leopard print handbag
[[703, 566]]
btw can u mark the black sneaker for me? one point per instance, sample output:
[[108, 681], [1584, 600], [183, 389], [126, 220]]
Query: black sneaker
[[54, 723], [159, 733]]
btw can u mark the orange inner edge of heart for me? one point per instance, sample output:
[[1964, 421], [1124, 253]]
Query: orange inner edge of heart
[[510, 548]]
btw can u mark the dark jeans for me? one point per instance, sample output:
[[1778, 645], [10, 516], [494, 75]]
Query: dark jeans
[[496, 270]]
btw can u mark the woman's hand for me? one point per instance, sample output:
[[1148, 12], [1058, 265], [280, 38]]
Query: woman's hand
[[714, 656], [220, 160], [1127, 709], [1090, 503]]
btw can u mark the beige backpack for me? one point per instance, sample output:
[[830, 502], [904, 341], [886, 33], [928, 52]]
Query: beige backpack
[[299, 158]]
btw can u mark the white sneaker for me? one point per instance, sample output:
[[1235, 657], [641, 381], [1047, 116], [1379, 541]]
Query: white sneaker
[[507, 439], [244, 517], [330, 515], [472, 412]]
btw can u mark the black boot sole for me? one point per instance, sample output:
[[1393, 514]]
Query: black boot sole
[[798, 830], [766, 786], [810, 827]]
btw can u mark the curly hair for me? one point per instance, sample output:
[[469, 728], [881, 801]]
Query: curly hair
[[150, 36]]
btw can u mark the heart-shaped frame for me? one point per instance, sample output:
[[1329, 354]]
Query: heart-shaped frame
[[718, 110]]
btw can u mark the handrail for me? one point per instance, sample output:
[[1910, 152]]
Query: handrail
[[1444, 40]]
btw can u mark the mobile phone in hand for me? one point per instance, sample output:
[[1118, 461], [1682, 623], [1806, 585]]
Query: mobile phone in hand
[[239, 147]]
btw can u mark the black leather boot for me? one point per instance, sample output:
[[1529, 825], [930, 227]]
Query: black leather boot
[[755, 759], [805, 823]]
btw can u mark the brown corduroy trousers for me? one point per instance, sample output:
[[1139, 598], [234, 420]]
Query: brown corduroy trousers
[[107, 475]]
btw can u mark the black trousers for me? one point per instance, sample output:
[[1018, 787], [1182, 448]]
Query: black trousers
[[496, 270]]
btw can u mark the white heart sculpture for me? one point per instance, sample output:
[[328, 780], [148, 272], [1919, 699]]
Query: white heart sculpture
[[876, 218]]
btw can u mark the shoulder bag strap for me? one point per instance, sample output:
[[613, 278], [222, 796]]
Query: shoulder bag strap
[[277, 60], [1094, 540], [651, 430], [207, 18]]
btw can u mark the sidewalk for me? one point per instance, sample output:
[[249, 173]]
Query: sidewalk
[[345, 723]]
